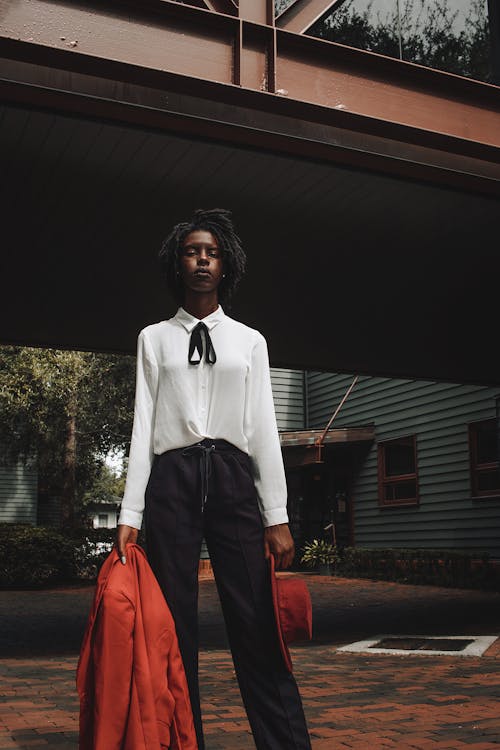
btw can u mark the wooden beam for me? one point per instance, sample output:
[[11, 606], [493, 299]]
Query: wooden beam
[[472, 175], [302, 14], [386, 111], [258, 11], [494, 24], [228, 7]]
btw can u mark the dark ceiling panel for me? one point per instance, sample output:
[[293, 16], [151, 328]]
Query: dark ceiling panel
[[347, 270]]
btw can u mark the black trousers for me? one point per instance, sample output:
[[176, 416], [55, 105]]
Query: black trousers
[[208, 490]]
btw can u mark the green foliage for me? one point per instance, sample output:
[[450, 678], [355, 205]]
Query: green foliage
[[90, 549], [34, 556], [42, 389], [319, 552], [105, 486], [455, 568], [281, 5], [428, 35]]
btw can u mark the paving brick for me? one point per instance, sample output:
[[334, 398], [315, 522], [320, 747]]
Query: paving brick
[[351, 701]]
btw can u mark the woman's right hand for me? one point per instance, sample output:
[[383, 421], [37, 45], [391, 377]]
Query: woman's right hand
[[125, 534]]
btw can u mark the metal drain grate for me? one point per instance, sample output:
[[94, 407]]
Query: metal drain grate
[[425, 644], [430, 645]]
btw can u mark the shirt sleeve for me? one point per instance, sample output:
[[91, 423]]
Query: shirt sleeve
[[263, 440], [141, 445]]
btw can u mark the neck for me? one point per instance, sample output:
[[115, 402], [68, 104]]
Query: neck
[[200, 305]]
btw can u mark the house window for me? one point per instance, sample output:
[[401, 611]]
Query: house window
[[483, 446], [397, 471], [103, 521]]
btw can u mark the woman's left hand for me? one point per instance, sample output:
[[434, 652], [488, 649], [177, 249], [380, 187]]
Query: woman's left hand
[[278, 541]]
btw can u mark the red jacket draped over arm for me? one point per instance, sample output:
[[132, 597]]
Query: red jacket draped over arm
[[130, 676]]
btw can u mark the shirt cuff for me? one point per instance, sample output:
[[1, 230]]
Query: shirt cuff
[[274, 516], [130, 518]]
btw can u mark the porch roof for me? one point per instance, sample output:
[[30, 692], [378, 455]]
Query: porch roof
[[366, 189]]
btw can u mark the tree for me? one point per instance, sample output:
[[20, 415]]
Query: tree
[[106, 485], [425, 35], [67, 409]]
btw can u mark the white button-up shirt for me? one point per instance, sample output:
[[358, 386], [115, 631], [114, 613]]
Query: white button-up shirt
[[178, 404]]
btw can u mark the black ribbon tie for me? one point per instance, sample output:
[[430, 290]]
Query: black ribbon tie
[[196, 344]]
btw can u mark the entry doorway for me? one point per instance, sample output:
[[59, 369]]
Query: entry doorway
[[319, 496]]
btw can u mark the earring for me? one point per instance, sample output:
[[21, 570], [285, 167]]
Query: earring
[[223, 275]]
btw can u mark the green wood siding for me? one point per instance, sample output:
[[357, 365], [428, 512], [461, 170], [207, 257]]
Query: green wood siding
[[18, 493], [438, 414], [288, 394]]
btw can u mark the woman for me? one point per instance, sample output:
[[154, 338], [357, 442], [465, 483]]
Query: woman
[[205, 461]]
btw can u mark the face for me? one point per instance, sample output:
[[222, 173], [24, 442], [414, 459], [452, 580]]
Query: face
[[200, 262]]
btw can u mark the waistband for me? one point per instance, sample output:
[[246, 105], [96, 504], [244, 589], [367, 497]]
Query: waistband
[[219, 445], [204, 449]]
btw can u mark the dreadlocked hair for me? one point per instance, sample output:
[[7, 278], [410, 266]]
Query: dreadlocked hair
[[218, 222]]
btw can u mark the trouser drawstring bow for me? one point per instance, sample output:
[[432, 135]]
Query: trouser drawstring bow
[[205, 466]]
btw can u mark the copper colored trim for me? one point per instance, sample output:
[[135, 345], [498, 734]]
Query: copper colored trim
[[258, 11], [190, 126], [335, 435], [222, 6], [159, 38], [238, 96], [383, 479], [302, 14], [475, 467]]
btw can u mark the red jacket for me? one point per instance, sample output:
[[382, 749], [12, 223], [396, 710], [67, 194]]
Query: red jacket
[[130, 676]]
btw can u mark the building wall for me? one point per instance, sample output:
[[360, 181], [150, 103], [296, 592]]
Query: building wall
[[288, 394], [105, 518], [438, 414], [18, 493]]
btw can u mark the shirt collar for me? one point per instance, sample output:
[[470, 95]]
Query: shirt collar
[[189, 321]]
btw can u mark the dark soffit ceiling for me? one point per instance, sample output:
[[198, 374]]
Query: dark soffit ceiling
[[347, 270]]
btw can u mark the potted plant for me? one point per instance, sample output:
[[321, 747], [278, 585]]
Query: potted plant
[[321, 555]]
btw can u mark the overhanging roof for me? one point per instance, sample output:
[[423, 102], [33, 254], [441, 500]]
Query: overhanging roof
[[370, 240], [300, 438], [300, 446]]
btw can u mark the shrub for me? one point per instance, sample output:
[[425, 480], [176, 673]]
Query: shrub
[[91, 548], [441, 567], [36, 556], [319, 552]]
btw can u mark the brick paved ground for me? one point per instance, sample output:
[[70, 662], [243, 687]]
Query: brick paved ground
[[350, 700]]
